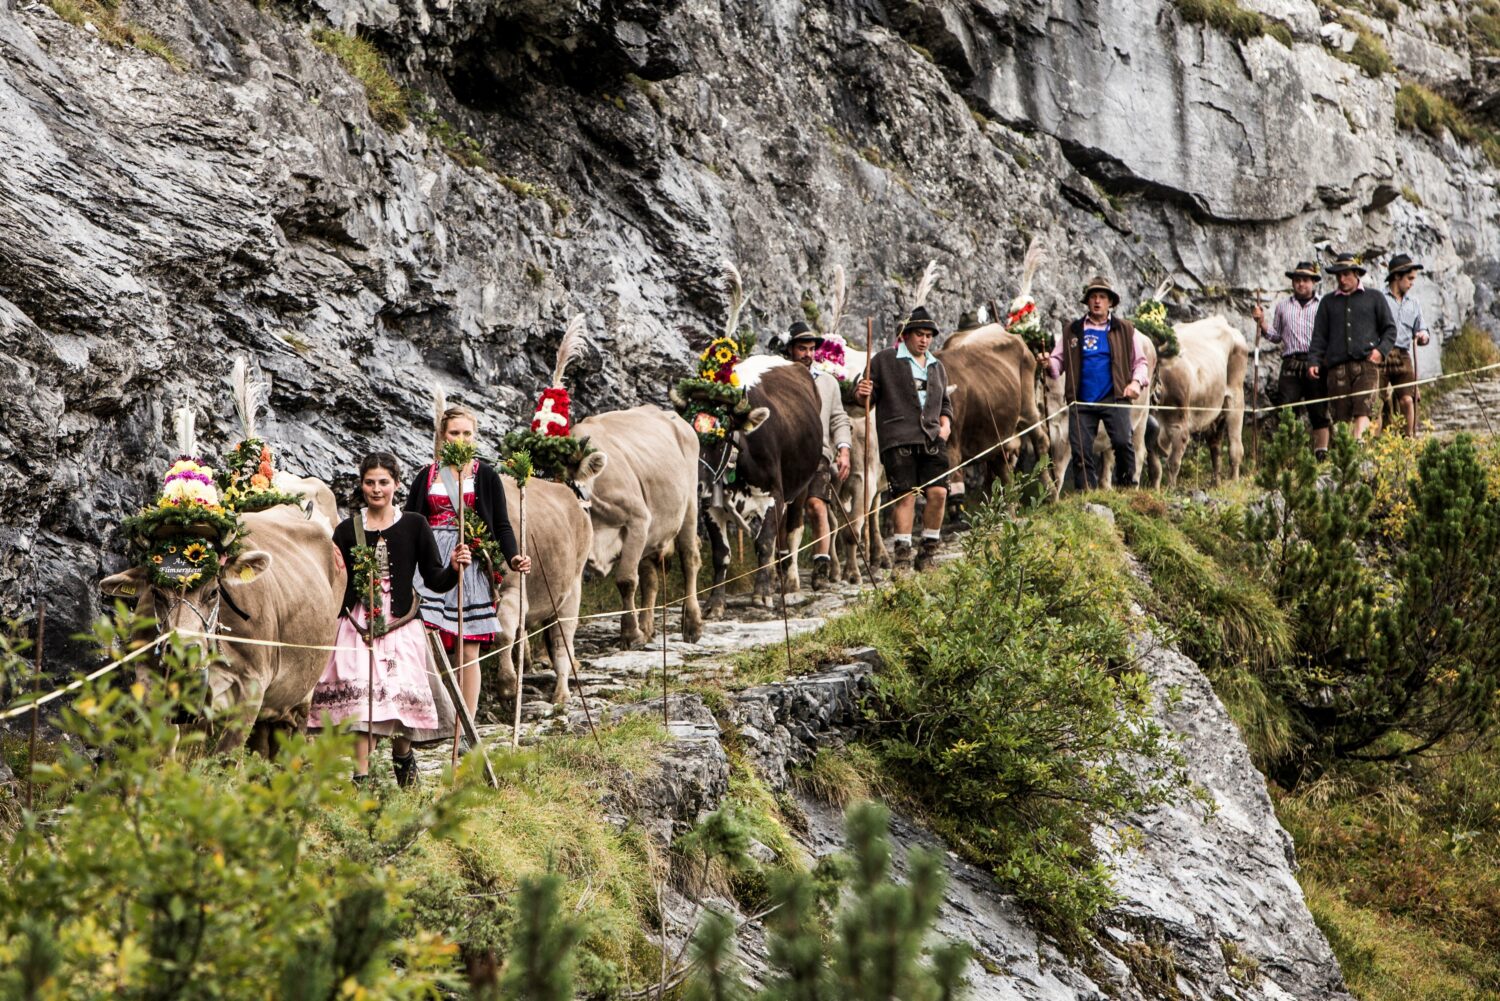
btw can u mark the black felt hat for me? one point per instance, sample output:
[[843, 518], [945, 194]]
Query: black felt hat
[[1305, 269], [1099, 284], [1345, 262], [1400, 265], [920, 319]]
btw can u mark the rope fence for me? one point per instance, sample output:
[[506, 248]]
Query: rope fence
[[27, 704]]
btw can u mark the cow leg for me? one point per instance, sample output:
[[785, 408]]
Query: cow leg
[[691, 557], [651, 585], [564, 654], [1215, 456], [1177, 443], [627, 577], [765, 552], [718, 545], [794, 516], [508, 613], [1235, 428]]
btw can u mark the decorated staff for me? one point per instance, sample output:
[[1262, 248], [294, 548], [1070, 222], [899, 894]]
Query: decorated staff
[[552, 452], [383, 549], [458, 489], [519, 466]]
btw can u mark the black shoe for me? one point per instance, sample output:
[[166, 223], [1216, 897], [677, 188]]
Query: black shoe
[[406, 769], [822, 574], [1320, 454], [360, 781]]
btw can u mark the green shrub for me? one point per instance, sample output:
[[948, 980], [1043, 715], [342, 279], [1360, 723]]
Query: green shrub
[[1420, 109], [1369, 52], [1012, 720], [361, 60], [1471, 348], [1396, 650], [1234, 20], [847, 932]]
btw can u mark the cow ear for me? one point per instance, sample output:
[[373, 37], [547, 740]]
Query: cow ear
[[126, 584], [247, 567], [591, 466], [756, 418]]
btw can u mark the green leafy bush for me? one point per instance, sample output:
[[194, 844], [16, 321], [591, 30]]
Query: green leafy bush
[[359, 57], [1395, 649], [1013, 718], [1235, 21]]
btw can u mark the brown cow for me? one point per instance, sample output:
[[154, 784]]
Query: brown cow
[[289, 587], [558, 537], [994, 397], [771, 472], [1207, 379], [643, 507]]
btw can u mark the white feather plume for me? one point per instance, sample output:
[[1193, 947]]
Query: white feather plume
[[1162, 288], [248, 396], [184, 421], [840, 296], [576, 326], [735, 286], [926, 285], [439, 404], [1035, 254]]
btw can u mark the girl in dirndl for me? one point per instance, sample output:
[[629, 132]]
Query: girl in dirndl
[[431, 495], [406, 700]]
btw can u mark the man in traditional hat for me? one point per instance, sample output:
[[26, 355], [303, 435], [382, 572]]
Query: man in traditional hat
[[800, 344], [1291, 327], [908, 388], [1102, 371], [1353, 331], [1400, 368]]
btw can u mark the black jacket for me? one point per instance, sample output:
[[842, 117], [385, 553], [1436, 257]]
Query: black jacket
[[412, 549], [900, 419], [489, 502], [1349, 327]]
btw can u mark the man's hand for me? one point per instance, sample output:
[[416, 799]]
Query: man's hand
[[1375, 356], [520, 563], [1312, 371], [1422, 337], [945, 428], [864, 389], [842, 469], [1259, 316], [1132, 390], [461, 556]]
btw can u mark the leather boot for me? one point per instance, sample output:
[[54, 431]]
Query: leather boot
[[927, 555], [822, 574], [405, 768], [901, 558]]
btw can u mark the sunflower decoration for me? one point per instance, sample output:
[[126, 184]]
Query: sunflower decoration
[[712, 400], [187, 534], [1150, 318]]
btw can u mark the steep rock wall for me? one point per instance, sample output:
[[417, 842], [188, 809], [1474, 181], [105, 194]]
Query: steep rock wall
[[158, 221]]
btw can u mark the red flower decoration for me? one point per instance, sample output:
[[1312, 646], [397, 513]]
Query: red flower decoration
[[554, 414]]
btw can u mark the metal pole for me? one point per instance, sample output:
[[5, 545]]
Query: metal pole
[[542, 565], [41, 626], [515, 735]]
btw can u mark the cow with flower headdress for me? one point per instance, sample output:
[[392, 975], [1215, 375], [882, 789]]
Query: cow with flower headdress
[[217, 573], [760, 441]]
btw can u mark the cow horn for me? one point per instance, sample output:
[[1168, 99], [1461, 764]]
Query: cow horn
[[679, 403]]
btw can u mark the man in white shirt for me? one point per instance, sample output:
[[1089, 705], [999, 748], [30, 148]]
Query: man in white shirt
[[801, 344]]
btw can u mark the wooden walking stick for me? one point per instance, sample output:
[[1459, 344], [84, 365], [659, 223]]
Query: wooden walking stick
[[1255, 391], [867, 527], [521, 468], [459, 647], [567, 649], [41, 625], [450, 683]]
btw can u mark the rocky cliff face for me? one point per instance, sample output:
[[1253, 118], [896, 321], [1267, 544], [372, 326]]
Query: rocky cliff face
[[159, 219]]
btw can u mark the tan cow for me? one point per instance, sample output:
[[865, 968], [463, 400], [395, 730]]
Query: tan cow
[[1207, 378], [325, 509], [993, 377], [558, 539], [289, 585], [644, 507], [864, 486], [1057, 424]]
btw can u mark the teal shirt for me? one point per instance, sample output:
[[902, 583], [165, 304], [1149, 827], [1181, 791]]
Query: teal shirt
[[918, 370]]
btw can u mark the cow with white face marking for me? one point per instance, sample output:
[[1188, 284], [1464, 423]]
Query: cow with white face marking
[[644, 508]]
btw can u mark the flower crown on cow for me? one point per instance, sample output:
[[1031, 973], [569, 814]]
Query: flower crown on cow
[[248, 471], [1023, 319], [712, 400], [183, 537], [1150, 318], [555, 453]]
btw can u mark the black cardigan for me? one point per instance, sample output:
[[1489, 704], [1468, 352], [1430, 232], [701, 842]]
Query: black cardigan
[[900, 418], [1349, 327], [411, 548], [489, 502]]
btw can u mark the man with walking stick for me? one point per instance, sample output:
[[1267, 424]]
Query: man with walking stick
[[1400, 368]]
